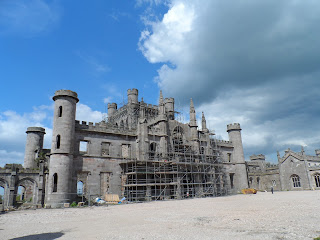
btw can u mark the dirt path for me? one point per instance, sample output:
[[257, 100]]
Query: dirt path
[[283, 215]]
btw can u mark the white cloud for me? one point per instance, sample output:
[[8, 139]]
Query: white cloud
[[85, 113], [28, 18], [250, 62]]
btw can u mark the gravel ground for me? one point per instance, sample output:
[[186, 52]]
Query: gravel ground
[[283, 215]]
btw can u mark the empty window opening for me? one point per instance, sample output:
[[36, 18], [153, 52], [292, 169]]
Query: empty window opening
[[296, 181], [231, 179], [317, 180], [58, 139], [229, 157], [83, 147], [21, 193], [153, 149], [60, 111], [125, 150], [1, 195], [258, 181], [80, 188], [55, 183], [250, 180], [105, 149]]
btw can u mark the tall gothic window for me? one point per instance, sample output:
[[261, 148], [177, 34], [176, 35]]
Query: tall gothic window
[[317, 180], [296, 181]]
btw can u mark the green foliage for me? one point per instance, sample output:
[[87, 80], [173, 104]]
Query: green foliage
[[73, 204], [317, 238]]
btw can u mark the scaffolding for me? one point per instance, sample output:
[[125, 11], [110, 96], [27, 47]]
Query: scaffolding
[[182, 173]]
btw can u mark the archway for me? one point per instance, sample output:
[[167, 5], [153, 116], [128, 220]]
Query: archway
[[26, 191]]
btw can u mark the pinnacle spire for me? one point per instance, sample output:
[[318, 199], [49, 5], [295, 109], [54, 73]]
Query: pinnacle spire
[[161, 98], [204, 122], [193, 121]]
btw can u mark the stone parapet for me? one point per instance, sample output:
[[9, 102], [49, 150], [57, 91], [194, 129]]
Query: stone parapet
[[65, 93]]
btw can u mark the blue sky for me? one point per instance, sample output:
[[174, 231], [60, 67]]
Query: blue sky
[[256, 63]]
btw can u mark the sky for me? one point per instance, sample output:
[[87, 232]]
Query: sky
[[251, 62]]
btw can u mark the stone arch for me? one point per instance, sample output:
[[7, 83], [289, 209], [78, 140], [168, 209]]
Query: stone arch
[[30, 187], [5, 188]]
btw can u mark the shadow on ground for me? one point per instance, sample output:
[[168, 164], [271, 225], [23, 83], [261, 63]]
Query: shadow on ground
[[41, 236]]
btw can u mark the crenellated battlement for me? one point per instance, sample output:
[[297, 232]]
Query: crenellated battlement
[[65, 93], [234, 126], [36, 129], [104, 127], [133, 91], [260, 157]]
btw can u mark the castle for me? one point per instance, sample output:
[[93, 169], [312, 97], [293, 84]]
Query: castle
[[141, 152]]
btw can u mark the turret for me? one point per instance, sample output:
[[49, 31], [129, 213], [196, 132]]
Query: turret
[[161, 106], [204, 123], [169, 105], [61, 159], [240, 177], [34, 145], [112, 108], [194, 128], [132, 95]]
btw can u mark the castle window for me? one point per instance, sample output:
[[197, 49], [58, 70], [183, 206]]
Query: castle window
[[125, 150], [317, 180], [152, 149], [83, 147], [60, 111], [80, 188], [105, 149], [273, 182], [296, 181], [58, 139], [258, 181], [231, 179], [250, 180], [55, 182], [229, 157]]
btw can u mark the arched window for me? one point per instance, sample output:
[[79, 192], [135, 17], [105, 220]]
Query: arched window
[[58, 141], [296, 181], [60, 111], [55, 182], [250, 180], [258, 180], [152, 149], [80, 188], [317, 180], [21, 193]]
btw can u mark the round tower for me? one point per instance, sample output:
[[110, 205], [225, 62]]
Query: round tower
[[34, 145], [132, 95], [61, 159], [112, 108], [240, 177]]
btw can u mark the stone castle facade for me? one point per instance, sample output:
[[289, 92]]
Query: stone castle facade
[[141, 152]]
